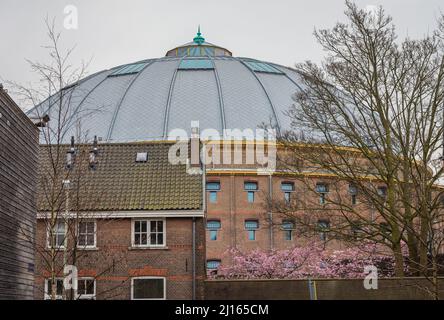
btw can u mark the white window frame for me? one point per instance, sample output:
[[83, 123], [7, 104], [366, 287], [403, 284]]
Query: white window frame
[[48, 242], [87, 296], [133, 234], [149, 278], [48, 296], [79, 246]]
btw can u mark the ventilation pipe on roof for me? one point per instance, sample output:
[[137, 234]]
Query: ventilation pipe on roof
[[93, 155], [195, 145], [70, 155]]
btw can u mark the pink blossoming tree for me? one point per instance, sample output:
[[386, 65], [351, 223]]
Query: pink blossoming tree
[[310, 261]]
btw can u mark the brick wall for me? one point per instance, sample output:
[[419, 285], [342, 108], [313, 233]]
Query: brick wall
[[232, 209], [334, 289]]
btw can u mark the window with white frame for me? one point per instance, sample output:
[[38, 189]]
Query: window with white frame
[[149, 233], [86, 289], [58, 289], [56, 236], [86, 237], [148, 288]]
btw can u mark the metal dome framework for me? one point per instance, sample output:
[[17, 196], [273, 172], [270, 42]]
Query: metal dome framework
[[149, 99]]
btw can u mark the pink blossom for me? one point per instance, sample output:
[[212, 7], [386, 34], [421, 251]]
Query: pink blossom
[[310, 261]]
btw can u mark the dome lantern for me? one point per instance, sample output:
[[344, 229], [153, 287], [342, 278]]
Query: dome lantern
[[199, 39], [199, 48]]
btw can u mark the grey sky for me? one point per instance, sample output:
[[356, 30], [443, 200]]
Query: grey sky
[[114, 32]]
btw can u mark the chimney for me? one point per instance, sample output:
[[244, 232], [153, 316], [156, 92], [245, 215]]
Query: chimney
[[195, 145]]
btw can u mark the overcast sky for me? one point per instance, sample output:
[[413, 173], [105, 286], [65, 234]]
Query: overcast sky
[[114, 32]]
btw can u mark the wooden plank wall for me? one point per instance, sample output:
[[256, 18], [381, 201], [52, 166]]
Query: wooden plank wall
[[18, 178]]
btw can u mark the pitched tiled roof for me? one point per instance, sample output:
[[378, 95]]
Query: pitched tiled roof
[[119, 183]]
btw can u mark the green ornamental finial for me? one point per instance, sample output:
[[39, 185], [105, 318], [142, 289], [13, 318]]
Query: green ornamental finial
[[199, 39]]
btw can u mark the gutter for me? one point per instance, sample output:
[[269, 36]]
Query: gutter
[[204, 212], [270, 212], [194, 260]]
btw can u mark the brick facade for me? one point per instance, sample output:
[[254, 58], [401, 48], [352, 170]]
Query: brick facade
[[114, 263], [232, 209]]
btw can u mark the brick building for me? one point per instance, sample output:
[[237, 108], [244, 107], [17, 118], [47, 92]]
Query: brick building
[[18, 166], [154, 100], [130, 222]]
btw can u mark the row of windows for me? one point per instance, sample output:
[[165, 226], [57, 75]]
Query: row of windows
[[289, 227], [142, 288], [144, 233], [251, 226], [287, 188]]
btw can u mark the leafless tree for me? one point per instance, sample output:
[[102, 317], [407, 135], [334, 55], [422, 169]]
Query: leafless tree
[[368, 124], [64, 180]]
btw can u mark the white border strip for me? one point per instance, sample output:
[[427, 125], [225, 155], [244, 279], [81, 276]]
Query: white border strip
[[125, 214]]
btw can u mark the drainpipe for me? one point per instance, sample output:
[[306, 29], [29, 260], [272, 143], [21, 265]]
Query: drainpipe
[[204, 209], [194, 259], [270, 213]]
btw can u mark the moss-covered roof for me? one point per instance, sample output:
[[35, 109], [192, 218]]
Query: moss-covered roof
[[118, 183]]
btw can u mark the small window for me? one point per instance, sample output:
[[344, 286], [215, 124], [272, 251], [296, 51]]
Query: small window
[[149, 233], [251, 188], [129, 69], [356, 228], [213, 188], [57, 236], [382, 192], [196, 64], [213, 196], [287, 186], [86, 234], [148, 288], [86, 289], [323, 228], [142, 157], [288, 228], [251, 226], [322, 189], [353, 191], [213, 226], [288, 189], [250, 196], [213, 264], [59, 289], [262, 67]]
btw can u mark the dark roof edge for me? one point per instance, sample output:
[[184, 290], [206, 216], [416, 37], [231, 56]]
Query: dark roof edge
[[13, 104]]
